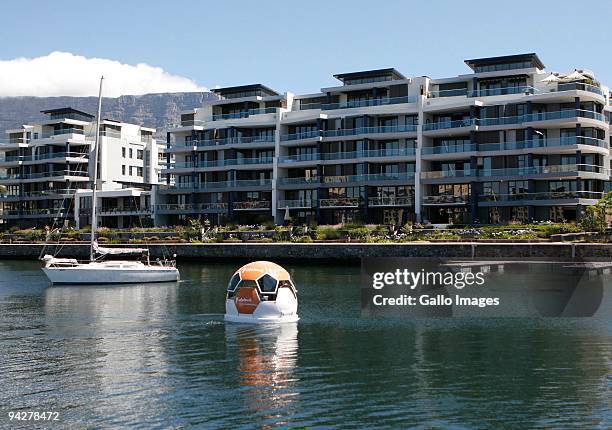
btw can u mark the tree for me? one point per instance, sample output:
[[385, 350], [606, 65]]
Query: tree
[[597, 216]]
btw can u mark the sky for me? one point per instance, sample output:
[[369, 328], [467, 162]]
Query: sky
[[60, 47]]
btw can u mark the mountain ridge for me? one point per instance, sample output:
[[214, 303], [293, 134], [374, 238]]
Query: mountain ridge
[[156, 110]]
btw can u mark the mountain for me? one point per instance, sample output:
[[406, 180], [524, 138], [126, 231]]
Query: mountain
[[150, 110]]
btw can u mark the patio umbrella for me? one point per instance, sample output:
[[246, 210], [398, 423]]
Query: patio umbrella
[[574, 76], [551, 78]]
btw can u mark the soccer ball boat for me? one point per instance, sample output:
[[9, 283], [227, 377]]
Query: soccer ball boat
[[261, 292]]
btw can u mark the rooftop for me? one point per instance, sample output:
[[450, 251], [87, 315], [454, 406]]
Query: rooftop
[[391, 72], [66, 111], [245, 88], [505, 59]]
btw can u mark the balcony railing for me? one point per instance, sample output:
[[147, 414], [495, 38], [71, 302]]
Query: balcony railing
[[44, 193], [303, 135], [449, 124], [220, 163], [370, 130], [486, 92], [191, 207], [243, 114], [572, 86], [225, 184], [124, 210], [44, 175], [252, 205], [391, 152], [56, 213], [370, 102], [523, 144], [564, 114], [60, 132], [299, 180], [228, 141], [516, 171], [445, 200], [11, 142], [48, 156], [375, 177], [296, 204], [298, 157], [456, 92], [352, 202], [390, 201], [551, 195]]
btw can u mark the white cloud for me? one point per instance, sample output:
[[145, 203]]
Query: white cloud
[[66, 74]]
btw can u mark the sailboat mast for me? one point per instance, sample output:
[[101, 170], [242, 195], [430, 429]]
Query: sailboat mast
[[94, 221]]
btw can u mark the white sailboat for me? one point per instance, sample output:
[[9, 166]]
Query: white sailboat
[[98, 271]]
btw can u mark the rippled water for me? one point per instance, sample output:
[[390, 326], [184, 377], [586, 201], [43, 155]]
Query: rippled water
[[160, 356]]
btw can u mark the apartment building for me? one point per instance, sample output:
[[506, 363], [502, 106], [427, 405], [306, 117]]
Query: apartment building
[[46, 173], [507, 141]]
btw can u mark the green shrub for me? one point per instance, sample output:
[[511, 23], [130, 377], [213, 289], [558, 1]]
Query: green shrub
[[328, 233], [302, 239], [359, 233]]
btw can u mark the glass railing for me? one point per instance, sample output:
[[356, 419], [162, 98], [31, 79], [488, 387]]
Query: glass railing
[[543, 170], [258, 204], [450, 149], [486, 92], [449, 124], [299, 180], [298, 157], [44, 156], [228, 141], [340, 202], [9, 142], [32, 212], [190, 207], [404, 152], [564, 114], [303, 135], [63, 131], [456, 92], [304, 203], [370, 130], [368, 177], [543, 143], [243, 114], [44, 193], [551, 195], [390, 201], [572, 86], [436, 174], [124, 210], [370, 102], [44, 174], [225, 184], [445, 200]]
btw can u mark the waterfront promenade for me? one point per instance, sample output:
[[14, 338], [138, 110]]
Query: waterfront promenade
[[330, 252]]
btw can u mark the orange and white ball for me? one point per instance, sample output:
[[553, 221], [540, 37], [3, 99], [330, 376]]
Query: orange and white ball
[[261, 291]]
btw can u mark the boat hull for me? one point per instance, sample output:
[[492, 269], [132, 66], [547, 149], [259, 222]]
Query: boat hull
[[94, 274]]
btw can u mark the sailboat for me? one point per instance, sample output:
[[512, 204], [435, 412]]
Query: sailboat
[[100, 271]]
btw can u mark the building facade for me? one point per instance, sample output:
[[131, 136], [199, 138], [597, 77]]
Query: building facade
[[46, 173], [506, 142]]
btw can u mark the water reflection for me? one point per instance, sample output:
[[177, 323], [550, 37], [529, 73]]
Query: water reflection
[[267, 356]]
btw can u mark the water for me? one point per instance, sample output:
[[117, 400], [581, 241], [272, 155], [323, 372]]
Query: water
[[160, 356]]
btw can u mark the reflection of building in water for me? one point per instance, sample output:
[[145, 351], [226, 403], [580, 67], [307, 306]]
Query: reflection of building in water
[[117, 331], [267, 357]]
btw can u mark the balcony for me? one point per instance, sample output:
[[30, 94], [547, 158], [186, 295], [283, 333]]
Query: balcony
[[198, 207], [407, 128], [299, 180], [573, 86], [43, 213], [374, 177], [313, 134], [543, 143], [296, 204], [252, 205], [28, 158], [61, 132], [438, 174], [10, 177], [457, 92], [221, 163], [228, 141], [367, 103], [404, 152], [468, 122], [564, 114], [551, 195], [488, 92], [449, 149], [562, 169], [243, 114], [341, 202], [126, 210], [38, 194], [445, 200], [204, 186], [390, 201], [287, 159]]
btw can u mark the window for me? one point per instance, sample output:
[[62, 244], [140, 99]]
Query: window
[[123, 169], [517, 187], [140, 171], [131, 153], [140, 154], [123, 152], [131, 170]]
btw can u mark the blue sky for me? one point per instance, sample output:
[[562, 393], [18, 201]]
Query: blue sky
[[298, 46]]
